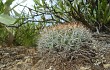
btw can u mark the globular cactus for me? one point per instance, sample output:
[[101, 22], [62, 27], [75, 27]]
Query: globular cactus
[[65, 37]]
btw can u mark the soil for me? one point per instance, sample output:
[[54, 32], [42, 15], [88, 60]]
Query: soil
[[22, 58]]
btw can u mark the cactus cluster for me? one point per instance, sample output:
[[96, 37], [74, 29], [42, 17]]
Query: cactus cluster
[[66, 38]]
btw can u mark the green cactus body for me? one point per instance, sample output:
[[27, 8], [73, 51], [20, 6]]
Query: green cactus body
[[69, 36]]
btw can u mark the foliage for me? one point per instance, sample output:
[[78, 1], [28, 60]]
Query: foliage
[[92, 13], [3, 35], [96, 12], [5, 20], [66, 37], [26, 35], [19, 31]]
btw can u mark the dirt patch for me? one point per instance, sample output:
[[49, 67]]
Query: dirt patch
[[20, 58], [14, 57], [81, 59]]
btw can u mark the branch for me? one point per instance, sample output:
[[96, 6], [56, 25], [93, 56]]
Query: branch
[[48, 21]]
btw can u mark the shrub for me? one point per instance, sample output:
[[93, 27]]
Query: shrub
[[26, 35], [3, 35], [65, 37]]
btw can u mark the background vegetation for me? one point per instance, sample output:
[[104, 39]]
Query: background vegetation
[[24, 29]]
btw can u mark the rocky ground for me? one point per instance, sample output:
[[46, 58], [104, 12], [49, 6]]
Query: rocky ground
[[22, 58]]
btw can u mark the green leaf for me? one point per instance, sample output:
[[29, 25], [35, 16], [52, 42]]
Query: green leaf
[[7, 20], [57, 9], [1, 7], [43, 2], [61, 5], [38, 2], [8, 2]]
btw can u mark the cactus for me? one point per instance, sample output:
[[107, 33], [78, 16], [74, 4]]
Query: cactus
[[66, 37]]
